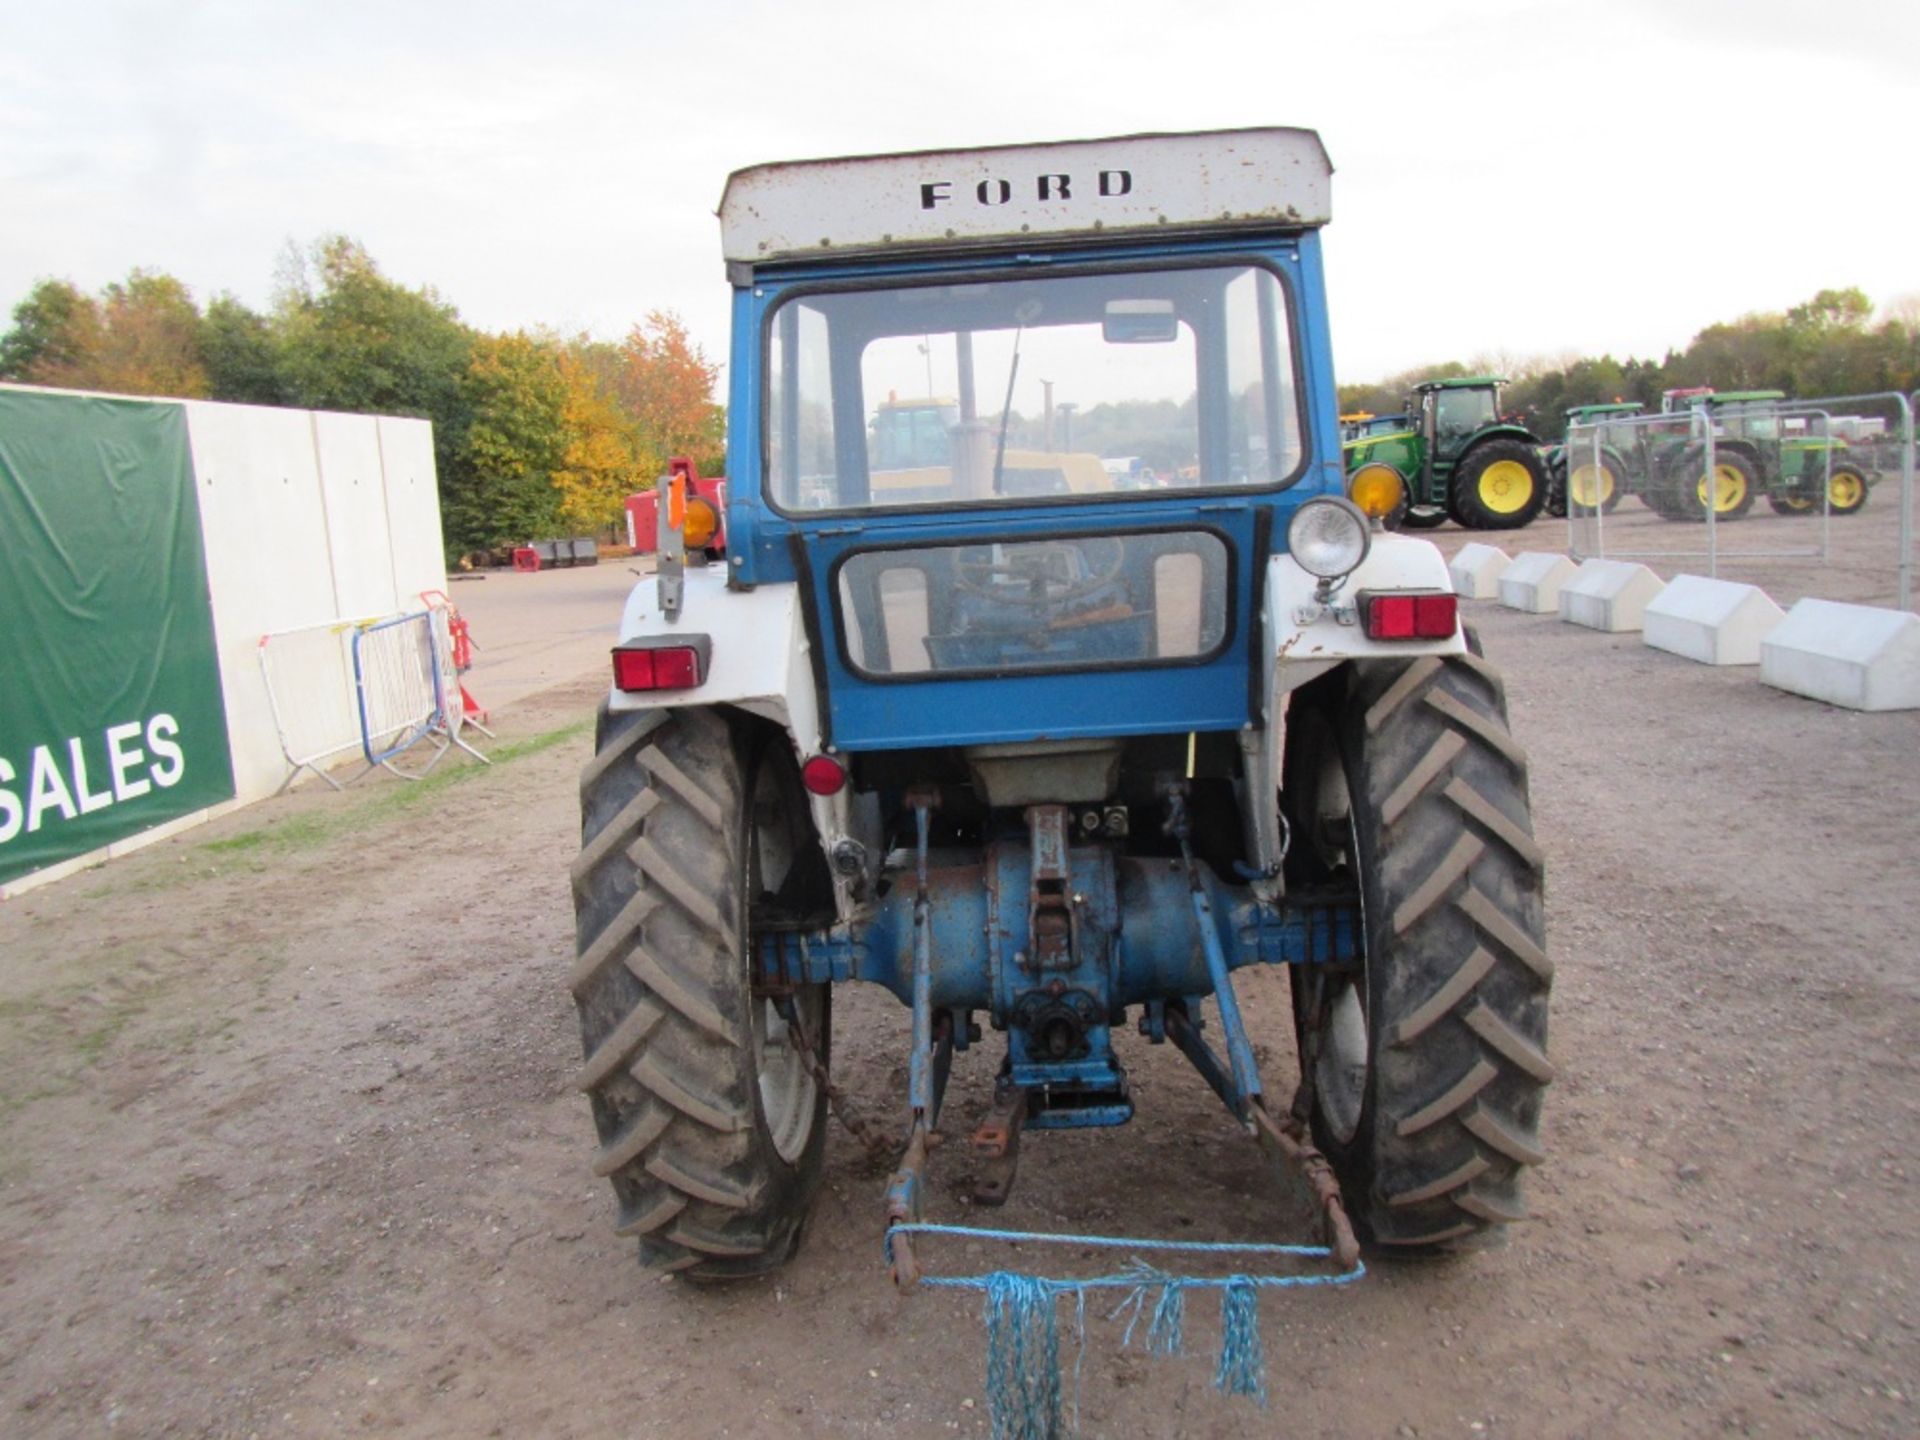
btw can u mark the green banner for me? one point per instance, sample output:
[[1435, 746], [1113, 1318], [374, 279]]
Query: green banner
[[111, 719]]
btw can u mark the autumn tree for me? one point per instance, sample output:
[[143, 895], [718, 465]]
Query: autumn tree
[[666, 384], [602, 463]]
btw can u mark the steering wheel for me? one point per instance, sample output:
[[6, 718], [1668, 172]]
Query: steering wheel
[[1032, 565]]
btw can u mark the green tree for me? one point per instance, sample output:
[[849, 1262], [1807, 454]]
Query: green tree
[[351, 339], [54, 329], [241, 352], [513, 447]]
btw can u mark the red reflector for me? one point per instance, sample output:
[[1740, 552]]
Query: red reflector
[[823, 775], [1390, 617], [677, 668], [1411, 616], [633, 669], [672, 667], [1435, 617]]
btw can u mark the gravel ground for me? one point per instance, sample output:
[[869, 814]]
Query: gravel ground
[[287, 1143]]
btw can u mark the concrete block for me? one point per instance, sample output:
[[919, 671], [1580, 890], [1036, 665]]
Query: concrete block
[[1608, 595], [1476, 571], [1532, 582], [1858, 656], [1717, 622]]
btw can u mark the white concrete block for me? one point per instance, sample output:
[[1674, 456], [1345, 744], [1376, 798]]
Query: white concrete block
[[1532, 582], [1858, 656], [1608, 595], [1476, 571], [1717, 622]]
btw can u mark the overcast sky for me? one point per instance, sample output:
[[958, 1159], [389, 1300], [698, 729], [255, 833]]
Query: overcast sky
[[1511, 178]]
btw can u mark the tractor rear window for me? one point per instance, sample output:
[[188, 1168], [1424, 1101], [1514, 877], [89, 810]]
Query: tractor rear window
[[1072, 602], [1061, 387]]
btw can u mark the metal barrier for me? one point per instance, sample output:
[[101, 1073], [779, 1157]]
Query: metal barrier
[[308, 672], [379, 685], [1712, 467]]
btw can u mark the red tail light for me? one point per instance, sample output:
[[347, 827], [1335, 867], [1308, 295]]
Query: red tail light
[[1409, 615], [662, 663]]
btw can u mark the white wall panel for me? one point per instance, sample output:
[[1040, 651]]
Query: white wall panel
[[268, 568], [354, 489], [419, 558]]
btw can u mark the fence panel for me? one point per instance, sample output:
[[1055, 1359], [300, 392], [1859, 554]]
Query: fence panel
[[1769, 490]]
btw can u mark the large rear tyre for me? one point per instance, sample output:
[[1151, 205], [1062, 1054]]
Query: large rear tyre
[[712, 1130], [1499, 485], [1425, 1065], [1592, 487], [1731, 489]]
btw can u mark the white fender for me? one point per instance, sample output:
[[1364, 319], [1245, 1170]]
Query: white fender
[[761, 662], [1306, 639]]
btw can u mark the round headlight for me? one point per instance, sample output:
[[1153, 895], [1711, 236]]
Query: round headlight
[[1328, 537], [1377, 489]]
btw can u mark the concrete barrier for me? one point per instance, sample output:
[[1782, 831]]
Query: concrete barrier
[[1477, 569], [1716, 622], [1857, 656], [1532, 582], [1608, 595]]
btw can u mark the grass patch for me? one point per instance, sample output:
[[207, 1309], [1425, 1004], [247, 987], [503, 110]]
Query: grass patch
[[302, 832]]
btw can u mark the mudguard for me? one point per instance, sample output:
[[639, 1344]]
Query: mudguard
[[761, 662]]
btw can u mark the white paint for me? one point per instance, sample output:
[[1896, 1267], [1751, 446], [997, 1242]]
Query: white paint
[[1532, 582], [1610, 595], [1476, 570], [941, 198], [1857, 656], [1716, 622]]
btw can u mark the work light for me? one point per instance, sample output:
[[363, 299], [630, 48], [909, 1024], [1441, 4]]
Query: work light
[[1328, 537]]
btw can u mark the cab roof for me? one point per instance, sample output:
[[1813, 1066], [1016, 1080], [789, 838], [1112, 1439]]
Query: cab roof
[[1129, 185], [1618, 407], [1462, 382]]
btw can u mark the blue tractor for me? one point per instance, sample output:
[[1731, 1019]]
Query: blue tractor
[[1048, 756]]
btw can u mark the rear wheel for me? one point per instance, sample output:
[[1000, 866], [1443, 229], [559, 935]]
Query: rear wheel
[[1592, 487], [1731, 488], [712, 1129], [1499, 485], [1425, 1064]]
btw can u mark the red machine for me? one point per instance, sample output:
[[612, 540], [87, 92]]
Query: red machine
[[706, 532]]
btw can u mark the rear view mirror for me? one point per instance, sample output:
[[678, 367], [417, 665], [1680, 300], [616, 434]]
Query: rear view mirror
[[1139, 322]]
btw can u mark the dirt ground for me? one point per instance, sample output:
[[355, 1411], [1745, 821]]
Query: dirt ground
[[287, 1143]]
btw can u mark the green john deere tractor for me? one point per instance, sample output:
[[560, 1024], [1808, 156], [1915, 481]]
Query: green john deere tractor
[[1752, 456], [1458, 459], [1594, 477]]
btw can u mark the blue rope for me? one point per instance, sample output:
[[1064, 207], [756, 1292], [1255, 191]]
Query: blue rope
[[1023, 1334]]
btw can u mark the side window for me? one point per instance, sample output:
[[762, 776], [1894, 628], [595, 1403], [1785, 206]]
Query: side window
[[800, 453]]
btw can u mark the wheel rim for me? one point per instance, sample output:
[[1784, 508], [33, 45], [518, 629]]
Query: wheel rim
[[787, 1091], [1340, 1069], [788, 1095], [1845, 490], [1729, 488], [1505, 487], [1591, 486], [1796, 502]]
